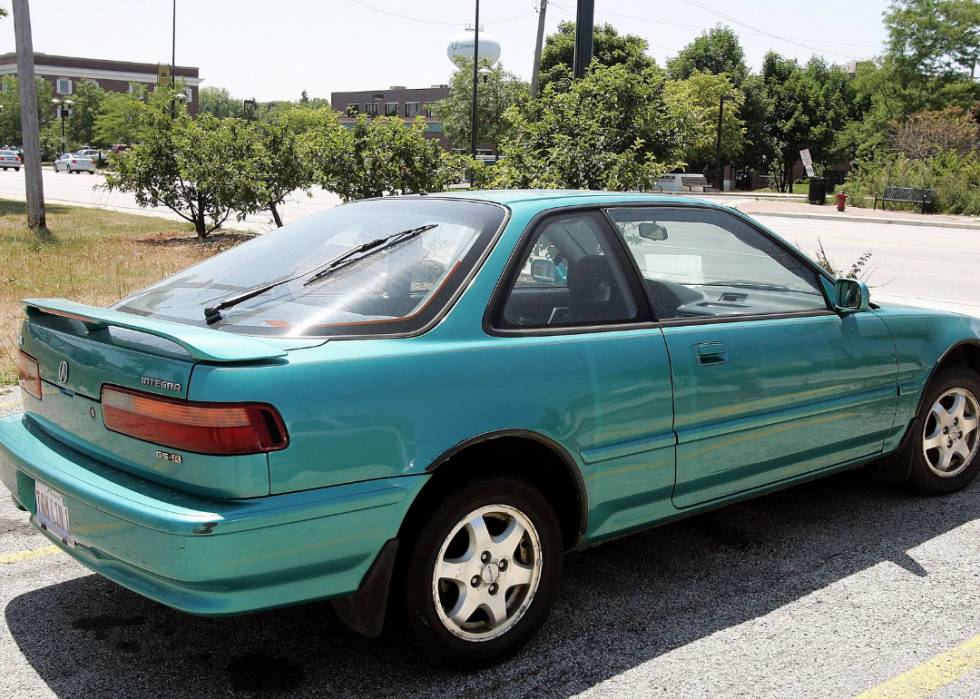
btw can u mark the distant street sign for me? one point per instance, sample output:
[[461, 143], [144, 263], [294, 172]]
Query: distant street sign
[[807, 162], [163, 74]]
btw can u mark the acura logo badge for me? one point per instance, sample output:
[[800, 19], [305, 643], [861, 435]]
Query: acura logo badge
[[63, 372]]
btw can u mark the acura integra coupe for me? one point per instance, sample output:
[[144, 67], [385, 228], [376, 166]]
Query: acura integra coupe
[[413, 406]]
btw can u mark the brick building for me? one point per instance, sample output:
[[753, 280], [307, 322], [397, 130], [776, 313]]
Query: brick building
[[396, 101], [65, 72]]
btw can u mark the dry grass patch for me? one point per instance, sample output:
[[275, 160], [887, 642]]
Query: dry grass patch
[[87, 255]]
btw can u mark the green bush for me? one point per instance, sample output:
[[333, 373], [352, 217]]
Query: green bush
[[955, 177]]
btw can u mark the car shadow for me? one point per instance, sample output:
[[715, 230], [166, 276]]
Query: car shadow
[[621, 604]]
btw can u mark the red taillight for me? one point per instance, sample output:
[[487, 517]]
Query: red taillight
[[202, 428], [74, 161], [18, 160], [29, 374]]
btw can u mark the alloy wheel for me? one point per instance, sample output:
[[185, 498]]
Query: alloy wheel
[[487, 572], [950, 436]]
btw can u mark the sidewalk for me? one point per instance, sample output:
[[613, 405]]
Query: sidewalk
[[800, 209]]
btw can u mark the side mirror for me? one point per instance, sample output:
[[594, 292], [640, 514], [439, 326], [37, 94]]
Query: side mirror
[[542, 270], [653, 231], [851, 296]]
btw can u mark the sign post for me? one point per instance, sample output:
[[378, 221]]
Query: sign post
[[163, 74], [807, 162]]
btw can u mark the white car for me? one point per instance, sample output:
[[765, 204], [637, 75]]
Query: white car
[[94, 153], [74, 162], [10, 159]]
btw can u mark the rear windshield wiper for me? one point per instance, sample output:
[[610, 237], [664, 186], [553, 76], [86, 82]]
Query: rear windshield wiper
[[212, 314]]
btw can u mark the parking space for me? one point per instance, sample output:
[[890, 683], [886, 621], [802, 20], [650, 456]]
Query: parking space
[[825, 590]]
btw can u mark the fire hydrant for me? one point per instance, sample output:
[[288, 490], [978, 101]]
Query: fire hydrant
[[841, 198]]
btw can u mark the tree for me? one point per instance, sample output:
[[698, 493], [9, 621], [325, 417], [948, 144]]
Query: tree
[[380, 156], [694, 103], [809, 105], [610, 130], [716, 51], [608, 49], [185, 164], [219, 103], [495, 95], [120, 118], [933, 37], [85, 110], [10, 124], [276, 163], [928, 134]]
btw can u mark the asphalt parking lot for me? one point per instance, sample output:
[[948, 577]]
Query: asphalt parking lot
[[825, 590]]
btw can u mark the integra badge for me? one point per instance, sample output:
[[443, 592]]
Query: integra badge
[[158, 383]]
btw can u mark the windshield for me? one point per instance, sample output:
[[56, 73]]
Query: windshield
[[398, 289]]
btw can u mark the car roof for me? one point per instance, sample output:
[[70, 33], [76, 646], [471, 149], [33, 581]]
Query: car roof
[[570, 196]]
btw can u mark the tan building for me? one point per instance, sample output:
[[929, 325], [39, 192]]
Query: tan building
[[66, 72]]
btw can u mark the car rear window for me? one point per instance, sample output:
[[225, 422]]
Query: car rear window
[[387, 291]]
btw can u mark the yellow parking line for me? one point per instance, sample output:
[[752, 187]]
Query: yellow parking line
[[28, 555], [930, 676]]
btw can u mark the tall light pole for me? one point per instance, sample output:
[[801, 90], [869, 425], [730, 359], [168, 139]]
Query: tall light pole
[[584, 28], [173, 61], [476, 76], [61, 115], [721, 109]]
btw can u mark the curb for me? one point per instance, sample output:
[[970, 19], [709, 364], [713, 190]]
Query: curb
[[864, 219]]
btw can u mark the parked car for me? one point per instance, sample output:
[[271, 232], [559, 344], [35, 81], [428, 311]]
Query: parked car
[[94, 153], [74, 162], [413, 406], [10, 159], [119, 148]]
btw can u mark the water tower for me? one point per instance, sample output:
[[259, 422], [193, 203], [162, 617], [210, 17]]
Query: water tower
[[461, 46]]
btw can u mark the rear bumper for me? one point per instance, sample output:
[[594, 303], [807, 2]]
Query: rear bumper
[[201, 555]]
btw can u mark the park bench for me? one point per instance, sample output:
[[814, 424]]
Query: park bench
[[926, 198]]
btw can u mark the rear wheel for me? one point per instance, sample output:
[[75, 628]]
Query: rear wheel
[[947, 437], [69, 169], [479, 576]]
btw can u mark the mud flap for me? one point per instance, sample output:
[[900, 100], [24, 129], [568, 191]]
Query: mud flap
[[364, 611], [897, 466]]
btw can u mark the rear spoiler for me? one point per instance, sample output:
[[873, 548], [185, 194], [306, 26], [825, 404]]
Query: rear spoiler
[[203, 344]]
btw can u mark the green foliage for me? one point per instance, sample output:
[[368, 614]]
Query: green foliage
[[10, 123], [954, 176], [185, 164], [608, 49], [120, 118], [380, 156], [218, 102], [611, 130], [86, 106], [694, 103], [856, 271], [716, 51], [808, 106], [928, 38], [495, 96]]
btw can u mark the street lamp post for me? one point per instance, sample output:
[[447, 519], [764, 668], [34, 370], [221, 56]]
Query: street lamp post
[[61, 115], [476, 74], [721, 109], [251, 103]]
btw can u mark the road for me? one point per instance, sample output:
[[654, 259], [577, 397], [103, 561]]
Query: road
[[824, 590]]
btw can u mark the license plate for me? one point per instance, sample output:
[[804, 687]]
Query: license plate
[[52, 512]]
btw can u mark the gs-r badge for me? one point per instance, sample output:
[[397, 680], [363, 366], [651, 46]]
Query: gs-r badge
[[167, 456]]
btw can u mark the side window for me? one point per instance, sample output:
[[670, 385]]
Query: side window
[[700, 263], [569, 275]]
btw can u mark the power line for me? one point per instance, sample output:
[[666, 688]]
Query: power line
[[429, 21]]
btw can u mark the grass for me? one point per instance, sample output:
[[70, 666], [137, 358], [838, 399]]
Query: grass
[[87, 255]]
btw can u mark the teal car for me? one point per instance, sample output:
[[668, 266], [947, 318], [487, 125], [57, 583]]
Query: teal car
[[413, 406]]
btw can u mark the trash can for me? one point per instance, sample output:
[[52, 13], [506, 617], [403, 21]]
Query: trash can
[[818, 191]]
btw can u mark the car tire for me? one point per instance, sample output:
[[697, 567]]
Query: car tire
[[16, 169], [68, 169], [946, 437], [491, 547]]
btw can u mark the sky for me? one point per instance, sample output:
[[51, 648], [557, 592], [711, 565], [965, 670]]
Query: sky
[[273, 50]]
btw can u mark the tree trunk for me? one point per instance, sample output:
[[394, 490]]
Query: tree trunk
[[275, 214]]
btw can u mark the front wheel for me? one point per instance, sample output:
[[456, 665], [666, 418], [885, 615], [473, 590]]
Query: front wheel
[[479, 576], [69, 169], [947, 437]]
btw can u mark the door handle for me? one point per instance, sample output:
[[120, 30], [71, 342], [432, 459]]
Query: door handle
[[708, 353]]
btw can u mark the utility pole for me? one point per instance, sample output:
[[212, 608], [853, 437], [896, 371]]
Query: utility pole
[[537, 49], [584, 28], [28, 115], [719, 183]]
